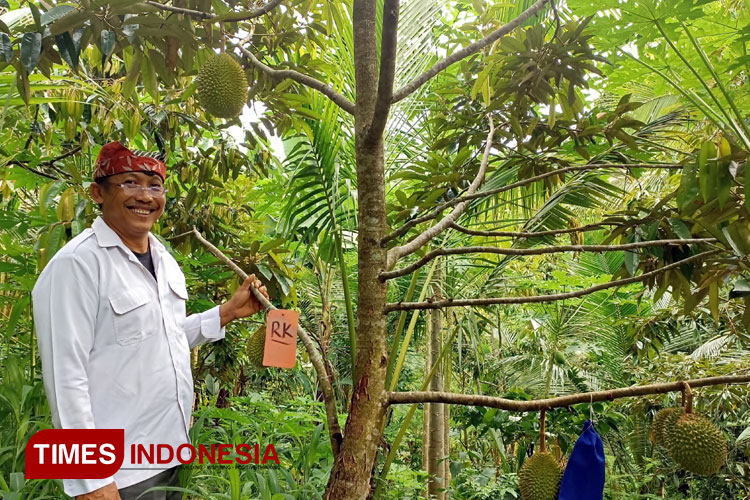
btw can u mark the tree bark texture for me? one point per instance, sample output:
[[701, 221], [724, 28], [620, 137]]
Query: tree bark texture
[[448, 369], [435, 453], [426, 406], [350, 477]]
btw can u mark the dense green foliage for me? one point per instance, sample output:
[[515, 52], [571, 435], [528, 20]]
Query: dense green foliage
[[636, 83]]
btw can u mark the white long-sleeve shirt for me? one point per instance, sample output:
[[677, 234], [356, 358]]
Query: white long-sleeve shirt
[[115, 346]]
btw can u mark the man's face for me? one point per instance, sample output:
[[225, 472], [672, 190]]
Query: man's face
[[134, 213]]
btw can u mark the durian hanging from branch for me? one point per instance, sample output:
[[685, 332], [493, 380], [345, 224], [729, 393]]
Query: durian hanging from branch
[[222, 84], [540, 475], [691, 440]]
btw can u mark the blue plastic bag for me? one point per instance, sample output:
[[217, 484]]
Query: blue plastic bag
[[584, 475]]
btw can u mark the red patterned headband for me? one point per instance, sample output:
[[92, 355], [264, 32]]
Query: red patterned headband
[[114, 158]]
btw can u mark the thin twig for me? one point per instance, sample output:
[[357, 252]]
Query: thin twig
[[32, 170], [482, 194], [467, 51], [298, 77], [394, 254], [542, 431], [405, 306], [315, 358], [207, 16], [398, 398], [536, 251], [534, 234]]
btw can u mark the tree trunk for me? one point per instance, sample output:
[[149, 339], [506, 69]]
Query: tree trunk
[[448, 367], [436, 451], [350, 477], [426, 406]]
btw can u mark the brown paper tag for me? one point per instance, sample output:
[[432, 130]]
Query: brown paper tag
[[281, 338]]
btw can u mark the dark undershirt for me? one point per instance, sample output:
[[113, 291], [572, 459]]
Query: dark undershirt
[[147, 261]]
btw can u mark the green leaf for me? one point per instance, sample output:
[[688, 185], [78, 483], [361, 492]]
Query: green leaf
[[55, 241], [747, 187], [689, 188], [713, 300], [724, 183], [70, 21], [741, 288], [37, 15], [707, 180], [730, 233], [680, 229], [708, 150], [108, 44], [55, 13], [149, 79], [6, 47], [134, 70], [31, 49], [18, 309], [632, 259], [68, 49]]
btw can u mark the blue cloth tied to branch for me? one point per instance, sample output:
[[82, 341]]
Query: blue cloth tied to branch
[[584, 475]]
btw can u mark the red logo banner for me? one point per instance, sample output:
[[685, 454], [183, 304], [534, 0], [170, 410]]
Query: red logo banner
[[74, 453]]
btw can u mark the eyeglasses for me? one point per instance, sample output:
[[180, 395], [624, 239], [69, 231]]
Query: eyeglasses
[[136, 189]]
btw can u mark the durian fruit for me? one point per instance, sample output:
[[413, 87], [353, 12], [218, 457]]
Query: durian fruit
[[696, 444], [664, 417], [540, 477], [222, 86], [256, 346], [541, 474]]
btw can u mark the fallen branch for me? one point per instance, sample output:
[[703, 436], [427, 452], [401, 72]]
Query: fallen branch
[[398, 398], [394, 254], [207, 16], [467, 51], [315, 358], [536, 251], [298, 77], [482, 194], [404, 306]]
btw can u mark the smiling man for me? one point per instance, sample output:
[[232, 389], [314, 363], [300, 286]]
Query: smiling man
[[114, 338]]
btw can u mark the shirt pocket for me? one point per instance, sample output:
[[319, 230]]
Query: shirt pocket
[[134, 316], [178, 298]]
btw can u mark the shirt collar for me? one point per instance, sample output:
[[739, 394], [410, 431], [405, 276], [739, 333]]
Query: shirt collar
[[107, 237]]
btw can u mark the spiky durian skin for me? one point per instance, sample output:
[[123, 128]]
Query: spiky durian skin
[[256, 346], [696, 444], [663, 417], [539, 477], [222, 86]]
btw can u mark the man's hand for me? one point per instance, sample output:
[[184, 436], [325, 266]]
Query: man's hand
[[243, 303], [108, 492]]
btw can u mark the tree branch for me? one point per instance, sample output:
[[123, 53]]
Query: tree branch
[[49, 163], [388, 47], [467, 51], [32, 170], [394, 254], [207, 16], [315, 358], [532, 234], [298, 77], [468, 197], [404, 306], [399, 398], [536, 251]]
